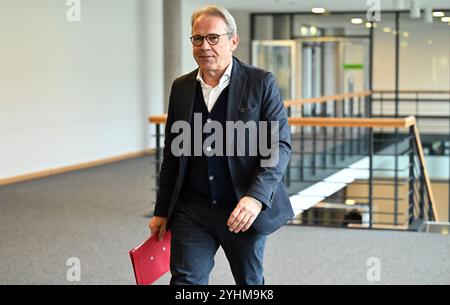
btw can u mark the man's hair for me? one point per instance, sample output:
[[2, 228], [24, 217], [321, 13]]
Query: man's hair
[[214, 10]]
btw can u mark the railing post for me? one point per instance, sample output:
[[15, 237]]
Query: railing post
[[396, 184], [314, 144], [431, 216], [344, 143], [314, 147], [158, 153], [324, 135], [359, 128], [324, 148], [422, 195], [359, 106], [302, 147], [371, 151], [351, 128], [411, 176], [334, 134]]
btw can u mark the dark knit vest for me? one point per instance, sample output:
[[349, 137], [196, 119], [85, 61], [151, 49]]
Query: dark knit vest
[[208, 179]]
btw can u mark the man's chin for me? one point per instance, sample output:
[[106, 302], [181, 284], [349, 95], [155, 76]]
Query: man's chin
[[207, 66]]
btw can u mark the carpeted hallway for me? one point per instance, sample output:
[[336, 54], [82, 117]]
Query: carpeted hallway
[[98, 214]]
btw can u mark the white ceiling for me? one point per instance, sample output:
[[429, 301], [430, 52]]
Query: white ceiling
[[306, 5]]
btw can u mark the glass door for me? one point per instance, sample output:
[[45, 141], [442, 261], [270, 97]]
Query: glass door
[[278, 57]]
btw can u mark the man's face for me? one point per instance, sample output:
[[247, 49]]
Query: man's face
[[213, 57]]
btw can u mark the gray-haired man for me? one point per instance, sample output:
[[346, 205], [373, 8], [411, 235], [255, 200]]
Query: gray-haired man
[[228, 201]]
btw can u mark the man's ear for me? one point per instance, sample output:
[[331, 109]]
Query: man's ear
[[234, 42]]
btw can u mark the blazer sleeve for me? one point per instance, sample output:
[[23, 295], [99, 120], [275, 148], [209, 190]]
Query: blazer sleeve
[[267, 178], [169, 166]]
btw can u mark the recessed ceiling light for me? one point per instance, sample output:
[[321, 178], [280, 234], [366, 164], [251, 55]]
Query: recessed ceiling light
[[406, 34], [445, 19], [438, 14], [304, 30], [387, 29], [368, 25], [350, 202], [318, 10], [357, 21], [313, 30]]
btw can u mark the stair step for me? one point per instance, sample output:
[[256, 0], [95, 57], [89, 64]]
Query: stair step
[[435, 227]]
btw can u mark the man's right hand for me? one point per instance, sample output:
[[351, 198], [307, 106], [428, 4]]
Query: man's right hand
[[158, 224]]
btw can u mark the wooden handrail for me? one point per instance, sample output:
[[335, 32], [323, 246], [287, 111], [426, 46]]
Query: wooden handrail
[[330, 122], [158, 119], [353, 122], [413, 91], [403, 123], [322, 99], [425, 171]]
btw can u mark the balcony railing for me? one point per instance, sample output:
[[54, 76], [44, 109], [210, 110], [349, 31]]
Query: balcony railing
[[344, 156], [381, 184], [431, 108]]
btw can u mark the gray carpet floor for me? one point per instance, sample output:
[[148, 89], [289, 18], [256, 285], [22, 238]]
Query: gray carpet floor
[[98, 214]]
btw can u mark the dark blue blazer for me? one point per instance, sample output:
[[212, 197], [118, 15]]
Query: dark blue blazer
[[253, 96]]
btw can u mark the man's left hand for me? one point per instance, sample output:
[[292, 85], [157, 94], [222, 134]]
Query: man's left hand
[[244, 215]]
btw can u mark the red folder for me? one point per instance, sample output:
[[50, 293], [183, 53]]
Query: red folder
[[151, 259]]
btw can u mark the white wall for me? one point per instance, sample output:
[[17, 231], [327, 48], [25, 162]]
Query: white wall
[[74, 92]]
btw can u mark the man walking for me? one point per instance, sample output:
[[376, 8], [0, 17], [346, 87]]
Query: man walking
[[232, 201]]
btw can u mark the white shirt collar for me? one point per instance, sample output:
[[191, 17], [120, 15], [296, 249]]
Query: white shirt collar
[[224, 79]]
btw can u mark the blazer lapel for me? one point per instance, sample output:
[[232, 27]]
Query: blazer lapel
[[188, 97], [236, 92], [186, 105]]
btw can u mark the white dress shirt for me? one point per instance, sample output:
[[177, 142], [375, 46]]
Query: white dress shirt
[[210, 94]]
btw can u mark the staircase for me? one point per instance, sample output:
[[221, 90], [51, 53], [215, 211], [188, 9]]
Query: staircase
[[397, 165]]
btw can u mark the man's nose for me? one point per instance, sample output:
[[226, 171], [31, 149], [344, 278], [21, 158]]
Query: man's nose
[[205, 45]]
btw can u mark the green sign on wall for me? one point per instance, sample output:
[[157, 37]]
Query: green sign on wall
[[353, 66]]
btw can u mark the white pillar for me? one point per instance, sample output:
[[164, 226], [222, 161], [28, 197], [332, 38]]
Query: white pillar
[[172, 45]]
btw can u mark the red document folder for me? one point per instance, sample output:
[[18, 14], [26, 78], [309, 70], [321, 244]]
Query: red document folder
[[151, 259]]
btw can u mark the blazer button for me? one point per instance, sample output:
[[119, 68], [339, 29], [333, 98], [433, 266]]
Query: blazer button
[[211, 178]]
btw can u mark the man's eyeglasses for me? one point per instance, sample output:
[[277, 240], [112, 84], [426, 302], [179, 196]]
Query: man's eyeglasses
[[212, 39]]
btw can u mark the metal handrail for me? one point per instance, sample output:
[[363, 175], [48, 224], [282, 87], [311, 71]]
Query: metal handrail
[[322, 99]]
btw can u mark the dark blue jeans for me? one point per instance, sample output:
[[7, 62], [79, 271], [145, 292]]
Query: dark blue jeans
[[198, 229]]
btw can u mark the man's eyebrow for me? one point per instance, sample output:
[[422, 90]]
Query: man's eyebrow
[[205, 35]]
